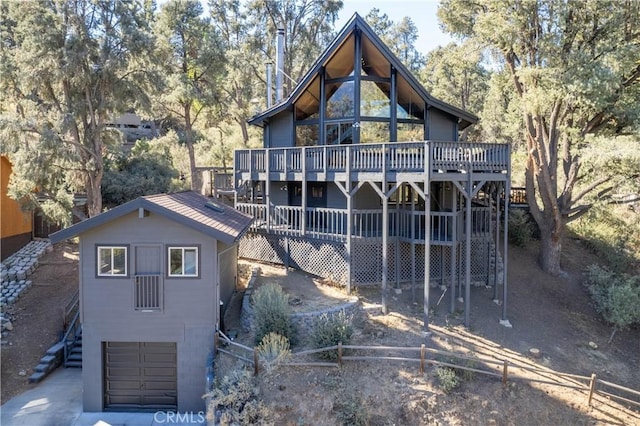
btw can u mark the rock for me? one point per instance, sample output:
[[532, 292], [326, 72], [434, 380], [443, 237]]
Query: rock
[[22, 373], [8, 326], [593, 345]]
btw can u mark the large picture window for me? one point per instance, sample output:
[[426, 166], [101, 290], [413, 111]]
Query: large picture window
[[112, 261], [183, 261]]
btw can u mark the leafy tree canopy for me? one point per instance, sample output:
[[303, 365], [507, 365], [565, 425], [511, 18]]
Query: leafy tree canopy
[[400, 37], [68, 69], [191, 57], [140, 172], [574, 67]]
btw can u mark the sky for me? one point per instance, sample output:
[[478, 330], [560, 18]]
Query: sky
[[421, 12]]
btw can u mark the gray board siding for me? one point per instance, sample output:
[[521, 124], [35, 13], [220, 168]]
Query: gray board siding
[[441, 126], [188, 316], [281, 130], [280, 197]]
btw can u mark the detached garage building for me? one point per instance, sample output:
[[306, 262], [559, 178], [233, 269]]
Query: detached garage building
[[153, 275]]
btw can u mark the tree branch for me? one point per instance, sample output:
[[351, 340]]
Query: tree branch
[[592, 187]]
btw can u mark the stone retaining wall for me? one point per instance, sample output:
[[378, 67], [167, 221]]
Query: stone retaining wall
[[15, 269], [304, 322]]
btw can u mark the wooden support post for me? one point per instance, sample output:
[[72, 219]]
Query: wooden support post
[[303, 162], [454, 248], [467, 260], [505, 368], [427, 234], [423, 352], [496, 194], [267, 188], [413, 244], [505, 254], [340, 354], [216, 342], [592, 388], [256, 367], [349, 218]]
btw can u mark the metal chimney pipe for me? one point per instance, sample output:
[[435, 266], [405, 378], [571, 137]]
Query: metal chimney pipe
[[280, 65], [269, 85]]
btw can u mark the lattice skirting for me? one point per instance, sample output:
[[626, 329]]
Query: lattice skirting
[[367, 262], [326, 259], [329, 259]]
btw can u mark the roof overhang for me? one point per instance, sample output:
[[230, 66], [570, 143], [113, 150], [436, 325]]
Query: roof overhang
[[357, 23]]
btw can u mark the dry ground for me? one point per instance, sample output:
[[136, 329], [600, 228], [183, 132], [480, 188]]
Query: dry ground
[[549, 313], [37, 318]]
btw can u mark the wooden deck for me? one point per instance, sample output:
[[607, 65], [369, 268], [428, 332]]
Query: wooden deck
[[398, 161], [444, 228]]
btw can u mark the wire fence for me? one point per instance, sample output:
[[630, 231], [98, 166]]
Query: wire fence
[[503, 369]]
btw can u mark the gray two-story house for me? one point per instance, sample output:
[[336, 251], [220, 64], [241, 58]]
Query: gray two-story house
[[362, 179], [154, 273]]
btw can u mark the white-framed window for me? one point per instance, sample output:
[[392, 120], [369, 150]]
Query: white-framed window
[[183, 261], [112, 261]]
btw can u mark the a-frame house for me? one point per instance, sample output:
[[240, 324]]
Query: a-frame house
[[363, 179]]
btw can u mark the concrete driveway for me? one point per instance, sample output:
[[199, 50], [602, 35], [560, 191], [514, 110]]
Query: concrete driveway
[[57, 401]]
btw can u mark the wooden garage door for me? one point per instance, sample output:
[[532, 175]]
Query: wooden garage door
[[140, 375]]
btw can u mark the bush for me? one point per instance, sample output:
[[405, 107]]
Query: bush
[[351, 411], [520, 228], [330, 330], [447, 379], [615, 296], [612, 238], [272, 312], [234, 401], [273, 350]]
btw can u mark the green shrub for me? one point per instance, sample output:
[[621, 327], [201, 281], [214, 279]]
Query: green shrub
[[272, 312], [615, 296], [351, 411], [233, 401], [447, 378], [330, 329], [273, 350], [612, 238], [520, 228]]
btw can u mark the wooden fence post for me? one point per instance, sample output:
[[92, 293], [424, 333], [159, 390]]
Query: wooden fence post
[[505, 367], [216, 342], [592, 388], [256, 368], [340, 354], [423, 351]]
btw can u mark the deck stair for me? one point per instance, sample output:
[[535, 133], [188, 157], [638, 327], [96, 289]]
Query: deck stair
[[72, 339], [74, 353]]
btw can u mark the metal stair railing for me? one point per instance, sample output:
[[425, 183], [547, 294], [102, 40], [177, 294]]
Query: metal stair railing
[[73, 327], [71, 335]]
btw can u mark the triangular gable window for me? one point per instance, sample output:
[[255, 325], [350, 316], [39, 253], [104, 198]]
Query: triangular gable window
[[358, 101]]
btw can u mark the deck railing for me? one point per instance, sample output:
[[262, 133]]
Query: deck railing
[[331, 224], [394, 157], [257, 211]]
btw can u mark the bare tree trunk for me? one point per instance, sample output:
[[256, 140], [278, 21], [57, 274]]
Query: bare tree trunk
[[94, 194], [195, 178], [550, 251], [245, 132]]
